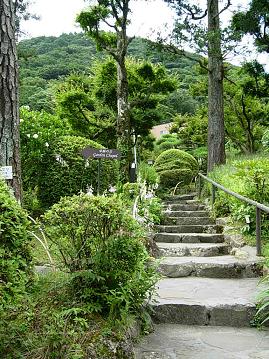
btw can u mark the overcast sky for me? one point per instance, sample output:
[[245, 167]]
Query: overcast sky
[[58, 16]]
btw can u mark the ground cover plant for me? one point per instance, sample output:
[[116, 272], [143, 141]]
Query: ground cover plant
[[103, 281], [15, 254], [248, 177]]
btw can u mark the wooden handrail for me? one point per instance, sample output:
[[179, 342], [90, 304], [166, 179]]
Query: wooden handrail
[[259, 206]]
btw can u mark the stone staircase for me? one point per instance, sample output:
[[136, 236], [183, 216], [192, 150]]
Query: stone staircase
[[202, 283]]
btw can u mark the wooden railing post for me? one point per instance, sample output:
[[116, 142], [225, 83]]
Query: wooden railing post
[[199, 188], [213, 196], [258, 232], [259, 207]]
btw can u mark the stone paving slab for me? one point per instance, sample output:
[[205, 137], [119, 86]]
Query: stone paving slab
[[225, 266], [185, 207], [193, 249], [206, 301], [186, 213], [210, 228], [208, 291], [195, 342], [200, 221], [189, 237]]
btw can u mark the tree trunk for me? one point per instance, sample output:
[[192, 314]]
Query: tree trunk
[[123, 121], [9, 104], [216, 133], [123, 117]]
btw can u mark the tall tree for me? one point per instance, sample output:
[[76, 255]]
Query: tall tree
[[216, 134], [9, 107], [255, 21], [114, 15], [190, 30]]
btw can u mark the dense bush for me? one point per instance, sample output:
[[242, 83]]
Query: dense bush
[[100, 244], [15, 258], [64, 171], [148, 174], [248, 177], [175, 166], [167, 142]]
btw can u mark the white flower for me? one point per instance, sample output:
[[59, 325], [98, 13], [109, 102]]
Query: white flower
[[21, 120], [47, 144], [28, 135], [35, 135], [149, 195], [89, 190], [112, 189]]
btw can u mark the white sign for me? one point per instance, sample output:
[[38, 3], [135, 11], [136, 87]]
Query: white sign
[[6, 172]]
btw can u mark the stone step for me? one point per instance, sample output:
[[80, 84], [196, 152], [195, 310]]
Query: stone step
[[186, 213], [184, 207], [206, 301], [181, 197], [193, 249], [225, 266], [188, 220], [189, 237], [189, 228], [169, 341]]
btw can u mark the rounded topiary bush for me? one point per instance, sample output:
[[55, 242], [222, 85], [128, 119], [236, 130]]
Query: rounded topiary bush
[[15, 257], [175, 166], [64, 171]]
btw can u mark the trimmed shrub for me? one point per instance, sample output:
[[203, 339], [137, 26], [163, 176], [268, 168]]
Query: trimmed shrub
[[100, 243], [64, 172], [174, 166], [15, 258]]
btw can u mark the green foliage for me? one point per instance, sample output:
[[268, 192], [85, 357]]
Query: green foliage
[[100, 244], [191, 131], [167, 142], [175, 166], [90, 102], [38, 131], [45, 59], [246, 107], [254, 21], [64, 171], [149, 175], [51, 323], [248, 177], [15, 257]]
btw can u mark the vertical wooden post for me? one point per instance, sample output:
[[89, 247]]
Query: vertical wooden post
[[258, 232], [199, 188], [213, 196], [98, 178]]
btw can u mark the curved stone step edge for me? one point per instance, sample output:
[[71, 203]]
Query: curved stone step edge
[[211, 267]]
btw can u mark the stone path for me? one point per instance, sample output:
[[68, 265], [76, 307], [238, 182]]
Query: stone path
[[204, 285], [170, 341]]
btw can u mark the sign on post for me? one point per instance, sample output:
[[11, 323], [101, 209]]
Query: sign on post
[[103, 153], [6, 172], [98, 154]]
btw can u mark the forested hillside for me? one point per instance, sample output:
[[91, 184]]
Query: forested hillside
[[45, 59]]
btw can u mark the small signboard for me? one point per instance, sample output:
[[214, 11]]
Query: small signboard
[[6, 172], [109, 154]]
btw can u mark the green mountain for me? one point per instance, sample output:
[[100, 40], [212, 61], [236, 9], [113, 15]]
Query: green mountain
[[45, 59]]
